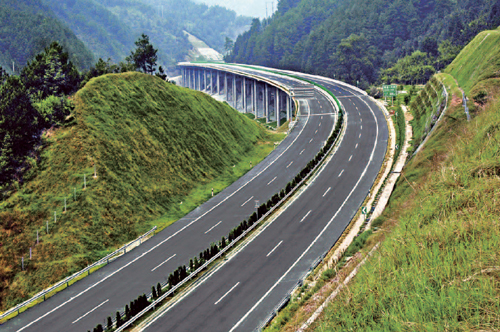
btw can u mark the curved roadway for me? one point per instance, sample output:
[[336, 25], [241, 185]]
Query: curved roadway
[[244, 291], [85, 304]]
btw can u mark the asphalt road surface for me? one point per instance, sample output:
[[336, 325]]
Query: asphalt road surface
[[88, 302], [241, 294]]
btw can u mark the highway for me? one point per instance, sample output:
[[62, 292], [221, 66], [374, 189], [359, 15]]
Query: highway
[[243, 292], [85, 304]]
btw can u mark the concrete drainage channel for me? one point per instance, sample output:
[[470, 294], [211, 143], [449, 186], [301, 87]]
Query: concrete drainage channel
[[241, 241]]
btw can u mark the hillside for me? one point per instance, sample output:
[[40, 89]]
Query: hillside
[[437, 267], [154, 146], [110, 27], [28, 27], [355, 40]]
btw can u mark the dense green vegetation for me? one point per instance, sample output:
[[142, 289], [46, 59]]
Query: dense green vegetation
[[355, 40], [28, 27], [109, 27], [438, 266], [154, 146]]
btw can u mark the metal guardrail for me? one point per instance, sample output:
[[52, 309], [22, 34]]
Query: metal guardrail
[[87, 270], [230, 245]]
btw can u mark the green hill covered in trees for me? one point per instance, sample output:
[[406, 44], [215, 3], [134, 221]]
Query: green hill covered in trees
[[28, 27], [109, 27], [437, 267], [158, 150], [355, 40]]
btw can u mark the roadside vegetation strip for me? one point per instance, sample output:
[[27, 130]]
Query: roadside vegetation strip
[[184, 274], [46, 293]]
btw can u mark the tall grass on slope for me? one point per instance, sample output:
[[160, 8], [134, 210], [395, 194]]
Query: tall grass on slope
[[469, 68], [154, 145], [440, 267]]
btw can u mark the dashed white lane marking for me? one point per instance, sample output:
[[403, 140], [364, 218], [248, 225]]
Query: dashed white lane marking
[[316, 131], [320, 124], [90, 311], [311, 140], [173, 255], [322, 117], [350, 157], [302, 151], [217, 224], [272, 180], [361, 127], [229, 291], [307, 214], [326, 192], [361, 120], [341, 173], [290, 164], [274, 248], [359, 135], [357, 107], [247, 201], [320, 235], [356, 146]]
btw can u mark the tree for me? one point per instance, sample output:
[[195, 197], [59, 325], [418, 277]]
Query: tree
[[110, 324], [228, 45], [153, 293], [51, 73], [145, 55], [159, 291], [118, 319], [161, 73]]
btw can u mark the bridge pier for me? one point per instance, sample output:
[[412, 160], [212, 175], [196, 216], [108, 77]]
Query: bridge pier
[[277, 108]]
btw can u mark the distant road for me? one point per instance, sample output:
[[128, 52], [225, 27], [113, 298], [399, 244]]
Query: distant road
[[241, 294], [85, 304]]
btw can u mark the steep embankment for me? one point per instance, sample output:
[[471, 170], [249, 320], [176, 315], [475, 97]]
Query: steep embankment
[[438, 267], [158, 150]]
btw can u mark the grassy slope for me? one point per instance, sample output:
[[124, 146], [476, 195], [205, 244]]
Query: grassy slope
[[154, 144], [438, 268]]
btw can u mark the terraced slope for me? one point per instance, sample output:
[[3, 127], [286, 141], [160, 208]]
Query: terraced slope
[[158, 150]]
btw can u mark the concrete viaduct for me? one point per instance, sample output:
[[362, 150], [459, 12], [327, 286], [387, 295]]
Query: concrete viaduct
[[261, 96]]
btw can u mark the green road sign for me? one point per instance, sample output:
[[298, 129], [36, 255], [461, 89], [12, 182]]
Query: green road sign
[[364, 210], [390, 90]]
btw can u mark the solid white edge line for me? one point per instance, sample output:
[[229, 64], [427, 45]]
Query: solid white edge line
[[326, 192], [274, 248], [229, 291], [164, 262], [217, 224], [180, 230], [320, 234], [90, 311], [307, 214], [247, 201]]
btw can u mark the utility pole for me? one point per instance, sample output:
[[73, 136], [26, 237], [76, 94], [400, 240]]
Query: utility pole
[[13, 67]]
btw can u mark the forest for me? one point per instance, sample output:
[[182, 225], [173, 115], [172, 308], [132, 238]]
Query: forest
[[28, 26], [365, 41], [93, 29]]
